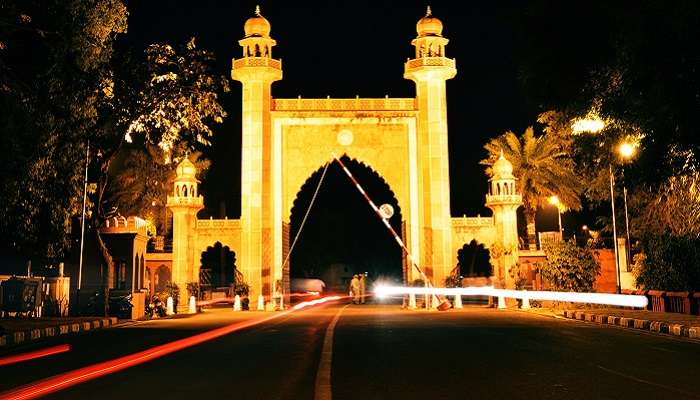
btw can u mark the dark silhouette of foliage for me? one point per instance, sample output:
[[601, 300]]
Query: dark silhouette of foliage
[[669, 262]]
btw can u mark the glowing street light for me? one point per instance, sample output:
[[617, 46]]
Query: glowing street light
[[591, 123], [595, 124], [627, 151], [554, 200]]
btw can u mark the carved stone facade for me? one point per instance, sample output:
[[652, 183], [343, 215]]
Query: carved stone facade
[[284, 141]]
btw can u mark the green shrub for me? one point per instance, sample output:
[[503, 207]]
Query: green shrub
[[453, 281], [418, 283], [569, 267], [669, 263]]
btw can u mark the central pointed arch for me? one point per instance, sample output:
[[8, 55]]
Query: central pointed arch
[[343, 235]]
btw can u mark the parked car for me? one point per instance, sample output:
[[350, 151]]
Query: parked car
[[301, 285]]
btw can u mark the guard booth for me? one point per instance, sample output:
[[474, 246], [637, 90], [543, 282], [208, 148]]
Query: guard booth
[[22, 296]]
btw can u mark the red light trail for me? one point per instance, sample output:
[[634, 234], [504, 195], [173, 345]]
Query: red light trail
[[49, 351], [71, 378]]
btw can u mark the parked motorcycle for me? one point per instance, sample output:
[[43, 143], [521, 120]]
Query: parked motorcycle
[[155, 308], [120, 306]]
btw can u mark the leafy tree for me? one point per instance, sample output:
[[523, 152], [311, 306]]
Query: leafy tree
[[63, 86], [569, 267], [142, 178], [641, 77], [54, 62], [543, 168], [674, 208], [669, 263], [167, 100]]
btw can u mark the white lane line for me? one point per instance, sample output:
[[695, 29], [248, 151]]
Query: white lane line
[[660, 385], [323, 389]]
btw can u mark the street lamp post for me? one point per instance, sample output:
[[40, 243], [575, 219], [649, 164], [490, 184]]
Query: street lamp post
[[626, 151], [612, 205], [82, 227], [554, 200]]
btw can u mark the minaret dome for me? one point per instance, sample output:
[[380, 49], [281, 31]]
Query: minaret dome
[[502, 168], [429, 25], [257, 25], [186, 170]]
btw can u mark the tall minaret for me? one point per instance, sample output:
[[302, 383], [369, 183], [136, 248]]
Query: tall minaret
[[504, 200], [184, 204], [429, 70], [256, 71]]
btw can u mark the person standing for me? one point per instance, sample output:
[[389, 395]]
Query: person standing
[[362, 288], [355, 289]]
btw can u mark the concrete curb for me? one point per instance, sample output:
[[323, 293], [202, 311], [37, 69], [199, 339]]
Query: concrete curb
[[21, 337], [681, 330]]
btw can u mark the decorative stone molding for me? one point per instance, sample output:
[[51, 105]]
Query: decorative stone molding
[[178, 200], [256, 62], [356, 104], [218, 223], [431, 62], [504, 198]]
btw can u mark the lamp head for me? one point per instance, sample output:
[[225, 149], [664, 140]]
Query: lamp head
[[626, 150]]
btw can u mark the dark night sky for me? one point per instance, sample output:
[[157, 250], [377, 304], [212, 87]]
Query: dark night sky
[[343, 49]]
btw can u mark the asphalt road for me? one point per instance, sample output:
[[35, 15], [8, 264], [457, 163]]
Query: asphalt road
[[380, 352]]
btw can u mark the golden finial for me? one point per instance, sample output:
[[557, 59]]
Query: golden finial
[[257, 10], [428, 12]]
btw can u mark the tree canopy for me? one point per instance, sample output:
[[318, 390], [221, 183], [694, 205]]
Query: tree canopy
[[65, 84], [542, 166], [54, 61]]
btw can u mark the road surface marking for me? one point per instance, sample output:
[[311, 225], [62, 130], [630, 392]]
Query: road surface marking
[[660, 385], [323, 389]]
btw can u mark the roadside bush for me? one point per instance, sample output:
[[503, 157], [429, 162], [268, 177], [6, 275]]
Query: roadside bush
[[418, 283], [518, 277], [172, 290], [669, 263], [241, 288], [453, 281], [569, 267]]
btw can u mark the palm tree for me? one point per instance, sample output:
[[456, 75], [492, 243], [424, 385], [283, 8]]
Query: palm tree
[[543, 167]]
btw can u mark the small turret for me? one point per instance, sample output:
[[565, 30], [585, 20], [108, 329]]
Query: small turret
[[502, 182], [429, 42], [257, 41], [185, 191]]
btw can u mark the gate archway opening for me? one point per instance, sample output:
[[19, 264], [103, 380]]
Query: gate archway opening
[[218, 266], [342, 235], [474, 260]]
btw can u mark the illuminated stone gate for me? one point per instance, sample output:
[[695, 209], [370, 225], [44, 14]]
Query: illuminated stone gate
[[284, 141]]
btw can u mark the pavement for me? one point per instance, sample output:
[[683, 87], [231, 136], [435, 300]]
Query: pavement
[[684, 325], [378, 352], [16, 331]]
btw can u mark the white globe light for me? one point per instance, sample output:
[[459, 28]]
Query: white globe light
[[345, 137], [386, 210]]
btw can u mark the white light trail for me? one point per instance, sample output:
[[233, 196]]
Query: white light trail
[[623, 300]]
